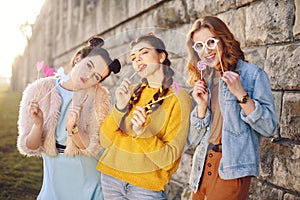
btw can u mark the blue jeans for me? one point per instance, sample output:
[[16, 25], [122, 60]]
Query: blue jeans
[[116, 189]]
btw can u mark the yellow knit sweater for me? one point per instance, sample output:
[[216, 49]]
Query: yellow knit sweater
[[150, 159]]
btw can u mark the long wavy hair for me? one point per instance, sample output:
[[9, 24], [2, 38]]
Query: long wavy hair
[[232, 51], [165, 85]]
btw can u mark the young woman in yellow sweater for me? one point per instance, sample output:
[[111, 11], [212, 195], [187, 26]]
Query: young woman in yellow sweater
[[145, 134]]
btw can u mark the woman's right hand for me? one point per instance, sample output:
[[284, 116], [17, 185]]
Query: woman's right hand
[[36, 113], [123, 94], [200, 95]]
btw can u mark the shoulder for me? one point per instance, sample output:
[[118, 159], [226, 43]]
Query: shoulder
[[183, 97], [40, 86], [246, 69]]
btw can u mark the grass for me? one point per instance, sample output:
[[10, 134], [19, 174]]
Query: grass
[[20, 176]]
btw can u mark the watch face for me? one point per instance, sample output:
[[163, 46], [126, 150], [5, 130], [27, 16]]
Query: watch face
[[244, 100]]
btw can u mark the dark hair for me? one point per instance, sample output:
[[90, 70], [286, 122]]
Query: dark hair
[[232, 51], [94, 47], [166, 83]]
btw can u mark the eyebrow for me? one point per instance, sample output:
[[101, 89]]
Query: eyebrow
[[140, 50], [90, 64]]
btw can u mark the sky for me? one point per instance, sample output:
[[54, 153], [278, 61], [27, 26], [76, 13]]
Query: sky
[[13, 14]]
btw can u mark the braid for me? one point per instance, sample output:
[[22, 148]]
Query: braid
[[135, 97], [163, 89]]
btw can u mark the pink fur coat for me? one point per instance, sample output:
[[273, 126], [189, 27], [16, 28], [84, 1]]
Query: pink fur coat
[[94, 110]]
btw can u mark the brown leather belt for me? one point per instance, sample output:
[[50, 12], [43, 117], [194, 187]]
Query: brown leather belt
[[214, 147]]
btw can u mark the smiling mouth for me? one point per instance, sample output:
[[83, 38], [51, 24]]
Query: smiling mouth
[[210, 58]]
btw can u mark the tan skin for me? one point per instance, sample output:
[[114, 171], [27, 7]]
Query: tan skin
[[232, 79], [85, 74]]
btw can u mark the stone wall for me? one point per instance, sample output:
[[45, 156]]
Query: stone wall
[[269, 31]]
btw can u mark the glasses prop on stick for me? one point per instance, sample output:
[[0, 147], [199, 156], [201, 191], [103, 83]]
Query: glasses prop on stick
[[210, 43]]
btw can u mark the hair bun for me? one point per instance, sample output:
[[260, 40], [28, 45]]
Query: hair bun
[[95, 41], [115, 66]]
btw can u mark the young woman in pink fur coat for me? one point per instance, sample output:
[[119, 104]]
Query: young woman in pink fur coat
[[59, 120]]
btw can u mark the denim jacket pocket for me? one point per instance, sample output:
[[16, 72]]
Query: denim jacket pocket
[[232, 122]]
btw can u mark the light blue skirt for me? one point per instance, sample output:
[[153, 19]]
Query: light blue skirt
[[70, 178]]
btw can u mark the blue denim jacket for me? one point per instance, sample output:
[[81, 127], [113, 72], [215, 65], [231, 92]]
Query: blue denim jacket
[[240, 133]]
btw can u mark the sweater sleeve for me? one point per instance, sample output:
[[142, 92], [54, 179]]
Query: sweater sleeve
[[109, 129]]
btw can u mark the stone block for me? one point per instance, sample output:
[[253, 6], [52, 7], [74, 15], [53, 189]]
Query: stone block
[[199, 8], [290, 117], [278, 103], [173, 190], [174, 40], [171, 14], [184, 169], [286, 167], [181, 74], [268, 150], [260, 190], [235, 20], [240, 3], [288, 196], [256, 55], [296, 28], [282, 65], [274, 24]]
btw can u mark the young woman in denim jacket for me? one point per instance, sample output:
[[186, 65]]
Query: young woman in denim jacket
[[234, 107]]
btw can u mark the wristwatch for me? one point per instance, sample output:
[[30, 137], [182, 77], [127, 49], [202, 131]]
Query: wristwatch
[[74, 130], [244, 99]]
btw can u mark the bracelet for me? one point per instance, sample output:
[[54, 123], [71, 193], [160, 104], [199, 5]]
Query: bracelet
[[74, 130]]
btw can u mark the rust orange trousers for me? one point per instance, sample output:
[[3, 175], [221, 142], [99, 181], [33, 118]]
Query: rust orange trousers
[[212, 187]]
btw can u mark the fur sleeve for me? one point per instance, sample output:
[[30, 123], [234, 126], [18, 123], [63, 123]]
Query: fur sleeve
[[24, 121], [37, 91], [102, 107]]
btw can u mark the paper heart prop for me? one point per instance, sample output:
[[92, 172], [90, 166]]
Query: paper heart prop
[[48, 71], [39, 65]]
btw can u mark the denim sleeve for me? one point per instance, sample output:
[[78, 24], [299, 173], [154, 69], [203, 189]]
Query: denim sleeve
[[263, 119], [198, 127]]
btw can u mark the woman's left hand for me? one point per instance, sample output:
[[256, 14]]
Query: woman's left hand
[[232, 79], [73, 117], [138, 119]]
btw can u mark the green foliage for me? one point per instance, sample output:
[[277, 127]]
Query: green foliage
[[20, 176]]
